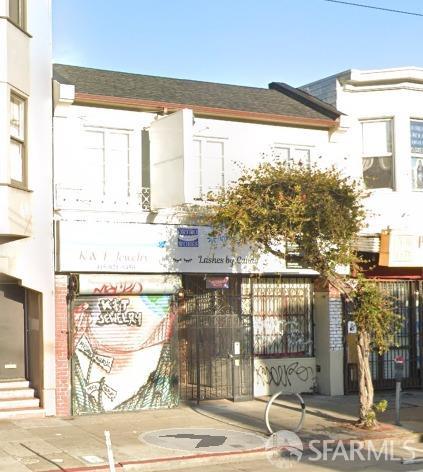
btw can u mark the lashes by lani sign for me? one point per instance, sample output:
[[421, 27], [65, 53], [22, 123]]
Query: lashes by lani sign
[[154, 248]]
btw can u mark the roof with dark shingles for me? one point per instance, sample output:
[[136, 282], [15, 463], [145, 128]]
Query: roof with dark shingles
[[181, 91]]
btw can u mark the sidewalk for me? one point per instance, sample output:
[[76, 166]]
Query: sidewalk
[[77, 444]]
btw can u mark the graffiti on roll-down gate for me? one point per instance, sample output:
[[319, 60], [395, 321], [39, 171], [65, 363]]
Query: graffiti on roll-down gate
[[124, 353]]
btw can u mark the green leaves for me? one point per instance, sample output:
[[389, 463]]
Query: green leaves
[[373, 313], [318, 210]]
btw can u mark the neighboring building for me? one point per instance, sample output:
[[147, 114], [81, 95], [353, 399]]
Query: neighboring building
[[138, 284], [27, 353], [384, 146]]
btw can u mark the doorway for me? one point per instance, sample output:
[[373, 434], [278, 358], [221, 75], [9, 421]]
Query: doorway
[[215, 342], [12, 332]]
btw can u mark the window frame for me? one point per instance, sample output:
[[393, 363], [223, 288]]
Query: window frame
[[199, 193], [107, 150], [20, 140], [414, 155], [22, 9], [391, 154], [292, 147]]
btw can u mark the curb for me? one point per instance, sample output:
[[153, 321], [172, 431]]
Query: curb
[[193, 460]]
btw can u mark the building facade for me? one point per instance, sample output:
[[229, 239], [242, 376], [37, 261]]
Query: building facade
[[27, 356], [383, 144], [151, 308]]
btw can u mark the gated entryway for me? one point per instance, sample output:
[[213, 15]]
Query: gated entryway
[[215, 341], [407, 297]]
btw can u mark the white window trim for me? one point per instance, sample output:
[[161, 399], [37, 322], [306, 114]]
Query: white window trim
[[107, 131], [391, 120], [294, 147], [203, 196], [20, 140]]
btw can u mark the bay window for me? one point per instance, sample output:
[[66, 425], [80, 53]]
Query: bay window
[[377, 155], [17, 148], [17, 12]]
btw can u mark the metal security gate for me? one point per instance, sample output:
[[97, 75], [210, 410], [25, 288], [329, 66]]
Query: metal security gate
[[215, 342], [407, 297]]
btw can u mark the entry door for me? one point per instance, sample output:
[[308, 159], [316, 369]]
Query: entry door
[[215, 341], [12, 332]]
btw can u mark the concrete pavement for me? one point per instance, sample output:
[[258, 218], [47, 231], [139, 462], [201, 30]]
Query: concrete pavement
[[77, 444]]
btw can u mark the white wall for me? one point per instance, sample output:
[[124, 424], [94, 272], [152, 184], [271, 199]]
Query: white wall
[[386, 93], [31, 259], [401, 207], [290, 375], [245, 143]]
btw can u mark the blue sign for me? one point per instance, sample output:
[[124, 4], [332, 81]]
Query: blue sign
[[416, 136], [187, 237]]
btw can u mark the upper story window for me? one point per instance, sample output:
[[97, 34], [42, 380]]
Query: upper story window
[[416, 144], [17, 12], [377, 153], [105, 171], [292, 154], [17, 139], [208, 166]]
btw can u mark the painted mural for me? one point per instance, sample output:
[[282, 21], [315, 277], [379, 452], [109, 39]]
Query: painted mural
[[124, 353]]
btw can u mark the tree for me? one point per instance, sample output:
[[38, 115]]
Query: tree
[[277, 206]]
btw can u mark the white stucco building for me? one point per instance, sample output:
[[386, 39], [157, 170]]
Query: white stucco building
[[383, 143], [132, 152], [27, 347]]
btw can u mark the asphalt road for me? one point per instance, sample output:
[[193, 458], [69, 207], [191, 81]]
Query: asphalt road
[[308, 463]]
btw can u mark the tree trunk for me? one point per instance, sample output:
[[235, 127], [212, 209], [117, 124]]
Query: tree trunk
[[367, 416]]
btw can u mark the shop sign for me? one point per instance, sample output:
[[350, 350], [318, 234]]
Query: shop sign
[[217, 282], [416, 137], [401, 249], [156, 248]]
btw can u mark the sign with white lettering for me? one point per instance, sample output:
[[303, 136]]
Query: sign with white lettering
[[156, 248], [416, 137]]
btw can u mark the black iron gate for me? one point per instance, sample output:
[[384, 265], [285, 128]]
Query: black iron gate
[[407, 297], [215, 342]]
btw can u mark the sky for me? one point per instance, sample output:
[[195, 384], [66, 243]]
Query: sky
[[244, 42]]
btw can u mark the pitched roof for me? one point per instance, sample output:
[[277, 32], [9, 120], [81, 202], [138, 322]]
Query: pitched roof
[[125, 85]]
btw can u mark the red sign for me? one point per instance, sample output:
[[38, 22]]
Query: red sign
[[399, 359], [217, 282]]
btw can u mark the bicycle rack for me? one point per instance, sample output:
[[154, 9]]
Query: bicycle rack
[[269, 403]]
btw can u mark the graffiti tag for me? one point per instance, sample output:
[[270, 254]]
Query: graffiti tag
[[283, 375], [114, 311], [121, 287]]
